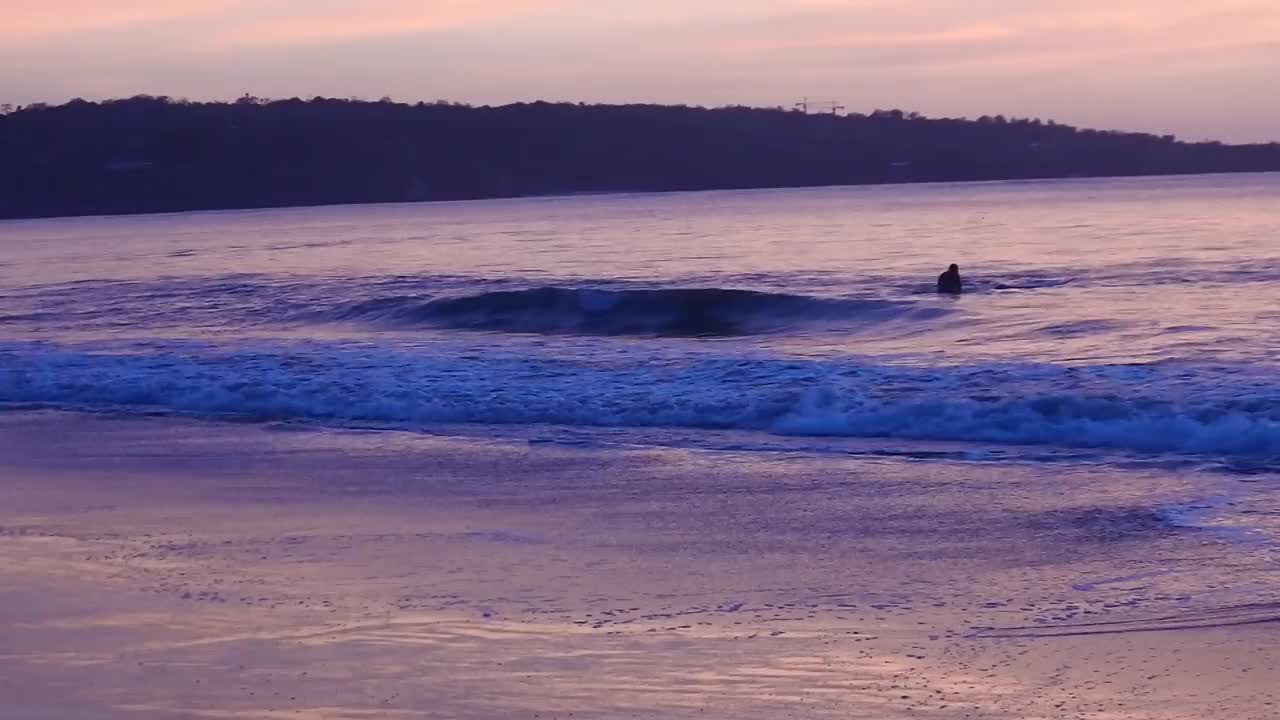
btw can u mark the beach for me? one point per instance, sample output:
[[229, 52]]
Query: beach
[[723, 455], [169, 568]]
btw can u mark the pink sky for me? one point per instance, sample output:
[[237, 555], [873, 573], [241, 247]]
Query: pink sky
[[1197, 68]]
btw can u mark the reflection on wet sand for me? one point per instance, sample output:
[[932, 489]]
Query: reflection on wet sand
[[388, 575]]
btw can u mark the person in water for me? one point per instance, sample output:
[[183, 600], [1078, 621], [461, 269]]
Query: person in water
[[949, 281]]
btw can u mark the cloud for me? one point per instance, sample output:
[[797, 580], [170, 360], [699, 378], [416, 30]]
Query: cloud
[[1008, 38], [42, 20], [238, 23], [975, 33], [298, 23]]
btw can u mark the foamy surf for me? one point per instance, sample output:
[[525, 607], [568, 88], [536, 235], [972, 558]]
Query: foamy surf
[[1226, 411]]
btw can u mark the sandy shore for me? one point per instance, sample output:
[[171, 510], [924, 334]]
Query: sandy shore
[[157, 568]]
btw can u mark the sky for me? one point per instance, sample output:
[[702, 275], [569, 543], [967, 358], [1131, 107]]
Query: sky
[[1200, 69]]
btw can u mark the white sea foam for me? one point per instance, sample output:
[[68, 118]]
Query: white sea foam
[[1161, 408]]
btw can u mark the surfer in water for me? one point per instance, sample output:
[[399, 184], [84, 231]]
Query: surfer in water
[[949, 281]]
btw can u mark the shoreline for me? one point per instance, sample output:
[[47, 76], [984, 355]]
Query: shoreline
[[172, 568]]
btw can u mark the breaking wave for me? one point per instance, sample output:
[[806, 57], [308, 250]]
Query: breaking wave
[[1226, 411], [670, 312]]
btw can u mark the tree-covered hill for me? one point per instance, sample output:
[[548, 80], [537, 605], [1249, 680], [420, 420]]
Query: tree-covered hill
[[149, 154]]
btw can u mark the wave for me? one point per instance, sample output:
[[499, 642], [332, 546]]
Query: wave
[[694, 306], [669, 312], [1228, 411], [598, 308]]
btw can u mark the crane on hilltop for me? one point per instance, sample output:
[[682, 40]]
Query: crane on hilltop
[[823, 106]]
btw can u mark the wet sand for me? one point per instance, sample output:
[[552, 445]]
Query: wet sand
[[161, 568]]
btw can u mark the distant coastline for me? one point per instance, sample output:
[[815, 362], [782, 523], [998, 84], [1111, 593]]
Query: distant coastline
[[153, 154]]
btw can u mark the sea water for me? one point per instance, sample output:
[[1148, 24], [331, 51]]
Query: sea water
[[747, 413], [1115, 320]]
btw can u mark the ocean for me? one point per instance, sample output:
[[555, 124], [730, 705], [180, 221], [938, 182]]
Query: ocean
[[1121, 319], [723, 454]]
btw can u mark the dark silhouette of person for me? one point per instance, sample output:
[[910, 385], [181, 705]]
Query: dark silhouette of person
[[949, 281]]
